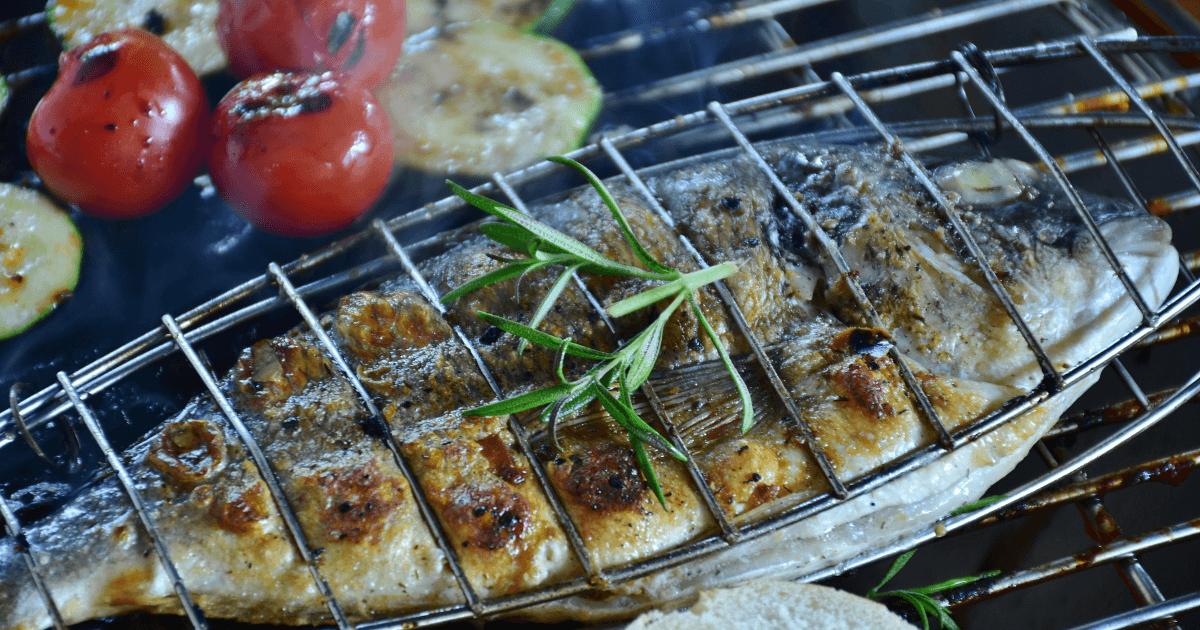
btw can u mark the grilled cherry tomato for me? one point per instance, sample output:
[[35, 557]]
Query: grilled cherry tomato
[[123, 129], [300, 153], [361, 38]]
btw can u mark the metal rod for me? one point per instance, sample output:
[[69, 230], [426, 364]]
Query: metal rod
[[1188, 168], [160, 549], [835, 257], [1146, 614], [824, 50], [266, 471], [977, 254], [375, 419], [1118, 100], [954, 523], [737, 15], [1171, 470], [1100, 521], [1095, 556], [731, 531], [99, 374], [1130, 187], [574, 538], [13, 526], [1089, 222], [728, 529]]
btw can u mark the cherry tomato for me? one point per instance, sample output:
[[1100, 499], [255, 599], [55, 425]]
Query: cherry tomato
[[361, 38], [123, 129], [300, 153]]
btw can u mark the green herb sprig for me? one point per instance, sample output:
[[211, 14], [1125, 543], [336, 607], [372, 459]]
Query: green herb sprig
[[919, 598], [980, 504], [630, 366]]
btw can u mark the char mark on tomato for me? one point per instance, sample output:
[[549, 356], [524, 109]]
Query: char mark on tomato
[[96, 62]]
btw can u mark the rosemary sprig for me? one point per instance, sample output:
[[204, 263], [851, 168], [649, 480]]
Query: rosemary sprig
[[919, 598], [627, 368], [980, 504]]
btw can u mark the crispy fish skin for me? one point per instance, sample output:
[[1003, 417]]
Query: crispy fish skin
[[225, 533]]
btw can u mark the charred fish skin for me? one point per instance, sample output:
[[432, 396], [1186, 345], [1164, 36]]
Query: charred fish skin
[[225, 531]]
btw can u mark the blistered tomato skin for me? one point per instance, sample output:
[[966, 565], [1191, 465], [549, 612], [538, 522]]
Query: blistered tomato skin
[[298, 153], [361, 38], [124, 128]]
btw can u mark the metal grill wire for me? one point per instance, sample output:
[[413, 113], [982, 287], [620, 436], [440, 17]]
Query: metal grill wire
[[206, 320]]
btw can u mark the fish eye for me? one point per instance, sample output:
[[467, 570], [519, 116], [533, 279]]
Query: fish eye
[[987, 184]]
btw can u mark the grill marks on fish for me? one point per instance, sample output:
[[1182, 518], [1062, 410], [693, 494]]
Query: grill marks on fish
[[353, 502], [502, 529]]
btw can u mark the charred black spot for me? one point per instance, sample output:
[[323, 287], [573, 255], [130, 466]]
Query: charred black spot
[[283, 97], [487, 519], [155, 22], [374, 426], [518, 100], [755, 477], [360, 48], [751, 242], [406, 404], [606, 478], [318, 102], [490, 336], [695, 345], [339, 33], [790, 237], [345, 507], [731, 203], [96, 63], [866, 340]]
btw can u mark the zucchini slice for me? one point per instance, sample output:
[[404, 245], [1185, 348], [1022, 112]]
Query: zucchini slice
[[483, 97], [422, 15], [188, 26], [40, 254]]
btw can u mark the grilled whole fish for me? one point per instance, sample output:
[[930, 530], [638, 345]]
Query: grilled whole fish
[[228, 540]]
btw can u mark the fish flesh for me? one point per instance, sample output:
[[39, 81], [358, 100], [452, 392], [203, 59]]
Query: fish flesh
[[229, 542]]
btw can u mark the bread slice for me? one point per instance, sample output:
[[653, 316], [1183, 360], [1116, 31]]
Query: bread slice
[[778, 604]]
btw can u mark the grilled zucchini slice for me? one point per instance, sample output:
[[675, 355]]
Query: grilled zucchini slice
[[483, 97], [188, 26], [425, 14], [40, 254]]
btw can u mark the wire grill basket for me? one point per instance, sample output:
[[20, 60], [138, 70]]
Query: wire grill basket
[[1129, 127]]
